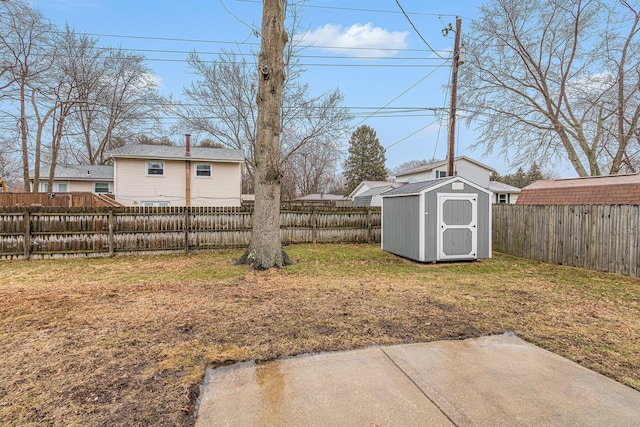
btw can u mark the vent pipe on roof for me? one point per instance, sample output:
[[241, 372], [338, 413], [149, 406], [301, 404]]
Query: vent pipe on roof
[[187, 152]]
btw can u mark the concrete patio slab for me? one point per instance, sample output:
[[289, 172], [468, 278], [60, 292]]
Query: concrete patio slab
[[497, 380], [357, 388]]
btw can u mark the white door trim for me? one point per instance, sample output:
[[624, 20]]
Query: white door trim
[[472, 226]]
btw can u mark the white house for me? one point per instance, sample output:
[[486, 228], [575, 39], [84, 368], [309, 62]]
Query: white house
[[159, 175], [504, 193], [96, 179], [465, 167]]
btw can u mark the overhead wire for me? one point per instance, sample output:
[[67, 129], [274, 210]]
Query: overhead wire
[[418, 32]]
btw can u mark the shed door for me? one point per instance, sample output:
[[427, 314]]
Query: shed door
[[457, 222]]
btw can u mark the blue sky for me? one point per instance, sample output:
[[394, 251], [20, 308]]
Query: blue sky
[[383, 64]]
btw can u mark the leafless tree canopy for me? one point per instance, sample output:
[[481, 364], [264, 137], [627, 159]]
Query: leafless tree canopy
[[221, 104], [556, 79], [68, 96]]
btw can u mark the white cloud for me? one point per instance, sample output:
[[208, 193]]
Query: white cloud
[[358, 40]]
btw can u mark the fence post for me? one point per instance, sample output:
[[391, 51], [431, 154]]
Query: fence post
[[186, 228], [111, 233], [27, 234], [314, 225]]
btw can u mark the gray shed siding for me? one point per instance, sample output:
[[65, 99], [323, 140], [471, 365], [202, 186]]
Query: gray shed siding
[[401, 227], [400, 223]]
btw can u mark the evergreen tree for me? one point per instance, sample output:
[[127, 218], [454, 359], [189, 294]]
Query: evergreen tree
[[520, 179], [366, 159]]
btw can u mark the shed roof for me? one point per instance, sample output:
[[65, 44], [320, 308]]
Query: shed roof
[[607, 190], [415, 188], [170, 152]]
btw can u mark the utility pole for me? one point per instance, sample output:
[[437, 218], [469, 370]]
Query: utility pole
[[454, 95]]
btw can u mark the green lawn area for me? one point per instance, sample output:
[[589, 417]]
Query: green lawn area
[[125, 341]]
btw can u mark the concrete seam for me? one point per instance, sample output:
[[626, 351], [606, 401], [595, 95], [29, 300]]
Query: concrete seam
[[418, 387]]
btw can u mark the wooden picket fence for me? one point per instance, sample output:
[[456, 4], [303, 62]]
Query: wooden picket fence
[[596, 237], [49, 232]]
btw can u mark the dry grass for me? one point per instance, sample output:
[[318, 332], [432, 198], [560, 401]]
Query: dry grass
[[125, 341]]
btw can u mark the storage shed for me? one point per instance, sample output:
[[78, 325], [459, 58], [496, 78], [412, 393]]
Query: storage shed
[[445, 219]]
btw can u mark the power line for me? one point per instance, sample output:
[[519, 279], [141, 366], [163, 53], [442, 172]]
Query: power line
[[182, 40], [416, 30], [353, 9], [401, 94], [409, 136]]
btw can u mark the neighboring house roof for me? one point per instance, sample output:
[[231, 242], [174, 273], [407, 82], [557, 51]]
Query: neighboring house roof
[[607, 190], [169, 152], [78, 173], [373, 184], [364, 198], [439, 164], [322, 196], [501, 187]]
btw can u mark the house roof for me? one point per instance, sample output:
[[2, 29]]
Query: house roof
[[501, 187], [322, 196], [435, 165], [78, 173], [377, 190], [374, 184], [611, 189], [170, 152]]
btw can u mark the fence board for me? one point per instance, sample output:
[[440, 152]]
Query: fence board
[[53, 232], [598, 237]]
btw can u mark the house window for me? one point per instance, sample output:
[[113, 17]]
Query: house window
[[101, 187], [58, 187], [155, 204], [155, 168], [503, 198], [203, 169], [443, 174]]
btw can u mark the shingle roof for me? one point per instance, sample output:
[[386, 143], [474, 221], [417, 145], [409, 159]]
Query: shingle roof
[[78, 172], [416, 187], [501, 187], [376, 190], [145, 151], [323, 196], [607, 190]]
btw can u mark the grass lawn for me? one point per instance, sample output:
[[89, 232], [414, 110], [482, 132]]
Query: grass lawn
[[125, 341]]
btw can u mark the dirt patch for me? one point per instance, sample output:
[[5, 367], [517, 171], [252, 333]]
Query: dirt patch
[[126, 341]]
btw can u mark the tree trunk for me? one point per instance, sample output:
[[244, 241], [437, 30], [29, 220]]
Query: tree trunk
[[265, 250], [24, 138]]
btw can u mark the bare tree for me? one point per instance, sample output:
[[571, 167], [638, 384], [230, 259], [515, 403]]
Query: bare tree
[[26, 55], [221, 105], [311, 169], [265, 250], [555, 79], [117, 99]]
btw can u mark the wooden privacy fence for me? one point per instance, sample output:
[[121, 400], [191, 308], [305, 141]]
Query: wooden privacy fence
[[42, 232], [597, 237], [63, 200]]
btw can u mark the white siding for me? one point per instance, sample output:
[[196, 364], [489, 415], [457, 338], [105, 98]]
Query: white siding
[[134, 186]]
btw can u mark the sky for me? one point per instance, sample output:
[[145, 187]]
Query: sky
[[393, 76]]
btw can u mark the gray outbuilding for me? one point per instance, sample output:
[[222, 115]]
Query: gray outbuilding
[[444, 219]]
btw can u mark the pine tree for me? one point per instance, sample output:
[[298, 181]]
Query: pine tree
[[366, 159]]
